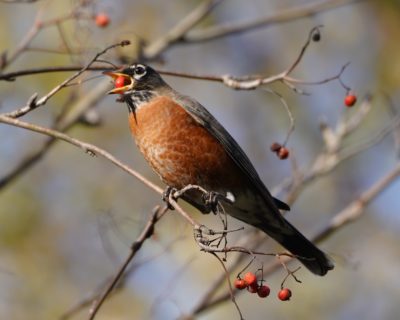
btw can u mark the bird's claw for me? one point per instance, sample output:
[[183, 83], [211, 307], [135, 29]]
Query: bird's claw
[[167, 195], [212, 199]]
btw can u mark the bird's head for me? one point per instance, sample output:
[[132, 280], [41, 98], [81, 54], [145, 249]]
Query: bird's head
[[135, 78]]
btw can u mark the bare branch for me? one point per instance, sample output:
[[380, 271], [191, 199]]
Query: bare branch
[[231, 290], [33, 104], [135, 247], [178, 32], [37, 26], [356, 208], [10, 76], [292, 14], [87, 147], [88, 301], [63, 124], [19, 1]]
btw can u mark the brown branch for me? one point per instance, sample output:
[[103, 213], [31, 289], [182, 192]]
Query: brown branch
[[88, 301], [292, 14], [356, 208], [231, 290], [63, 124], [178, 32], [33, 103], [19, 1], [313, 31], [87, 147], [11, 76], [249, 82], [135, 247], [37, 26], [94, 151]]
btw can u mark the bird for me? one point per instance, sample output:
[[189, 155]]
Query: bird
[[185, 145]]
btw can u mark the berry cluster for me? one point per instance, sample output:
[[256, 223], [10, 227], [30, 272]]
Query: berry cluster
[[250, 283], [281, 151]]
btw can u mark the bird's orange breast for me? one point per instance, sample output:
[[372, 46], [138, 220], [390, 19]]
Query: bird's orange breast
[[179, 149]]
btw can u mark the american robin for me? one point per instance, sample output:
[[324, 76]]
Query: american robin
[[185, 144]]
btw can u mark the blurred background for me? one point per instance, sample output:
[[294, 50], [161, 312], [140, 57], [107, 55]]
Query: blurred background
[[67, 223]]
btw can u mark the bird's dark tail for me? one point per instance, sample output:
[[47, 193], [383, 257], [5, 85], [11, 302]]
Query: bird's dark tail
[[304, 250]]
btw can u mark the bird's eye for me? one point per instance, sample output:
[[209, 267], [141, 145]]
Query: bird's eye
[[140, 71]]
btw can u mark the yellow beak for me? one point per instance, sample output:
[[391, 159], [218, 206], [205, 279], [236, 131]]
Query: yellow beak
[[127, 79]]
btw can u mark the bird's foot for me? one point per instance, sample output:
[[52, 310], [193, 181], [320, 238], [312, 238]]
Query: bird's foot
[[212, 199], [167, 195]]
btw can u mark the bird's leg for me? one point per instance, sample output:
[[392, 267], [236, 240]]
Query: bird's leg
[[212, 200], [168, 192], [202, 240]]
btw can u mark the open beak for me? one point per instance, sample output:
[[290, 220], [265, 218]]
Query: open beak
[[128, 81]]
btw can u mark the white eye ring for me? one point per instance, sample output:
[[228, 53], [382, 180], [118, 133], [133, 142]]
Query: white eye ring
[[140, 71]]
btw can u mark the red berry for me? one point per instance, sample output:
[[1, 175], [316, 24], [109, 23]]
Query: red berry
[[102, 20], [250, 279], [240, 284], [253, 288], [350, 100], [263, 291], [275, 147], [283, 153], [120, 82], [284, 294]]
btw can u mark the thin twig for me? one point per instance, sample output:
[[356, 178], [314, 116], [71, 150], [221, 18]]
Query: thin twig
[[33, 104], [135, 247], [231, 291], [292, 14], [88, 301], [303, 50], [177, 33], [11, 76], [37, 26]]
